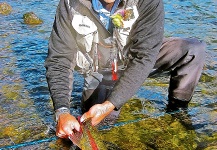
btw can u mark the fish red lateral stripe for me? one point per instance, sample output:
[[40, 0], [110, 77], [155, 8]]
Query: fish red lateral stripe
[[90, 137], [92, 141]]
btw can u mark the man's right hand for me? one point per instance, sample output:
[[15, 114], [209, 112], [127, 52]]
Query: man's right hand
[[66, 124]]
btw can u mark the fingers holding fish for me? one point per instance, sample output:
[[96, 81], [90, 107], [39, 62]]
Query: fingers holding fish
[[66, 125], [61, 135], [85, 116], [98, 112]]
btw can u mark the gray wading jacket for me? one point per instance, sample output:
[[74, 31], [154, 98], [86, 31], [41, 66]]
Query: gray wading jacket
[[79, 40]]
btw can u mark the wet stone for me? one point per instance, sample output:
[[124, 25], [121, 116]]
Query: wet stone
[[31, 18], [5, 8]]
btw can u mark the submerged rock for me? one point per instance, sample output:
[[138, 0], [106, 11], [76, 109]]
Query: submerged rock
[[31, 19], [5, 8]]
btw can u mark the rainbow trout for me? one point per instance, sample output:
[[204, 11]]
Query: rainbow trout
[[88, 138]]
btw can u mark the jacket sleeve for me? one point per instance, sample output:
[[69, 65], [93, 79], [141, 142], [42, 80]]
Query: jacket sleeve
[[144, 45], [60, 61]]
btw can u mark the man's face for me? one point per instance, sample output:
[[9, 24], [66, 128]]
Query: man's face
[[109, 1]]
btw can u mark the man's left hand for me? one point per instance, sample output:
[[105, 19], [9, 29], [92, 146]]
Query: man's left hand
[[98, 112]]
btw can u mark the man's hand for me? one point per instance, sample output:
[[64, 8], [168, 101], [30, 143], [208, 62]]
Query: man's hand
[[98, 112], [66, 124]]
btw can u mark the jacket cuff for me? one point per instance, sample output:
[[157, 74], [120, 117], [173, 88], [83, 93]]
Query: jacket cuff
[[115, 103]]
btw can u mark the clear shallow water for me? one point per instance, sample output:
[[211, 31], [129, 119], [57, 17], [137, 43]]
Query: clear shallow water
[[25, 106]]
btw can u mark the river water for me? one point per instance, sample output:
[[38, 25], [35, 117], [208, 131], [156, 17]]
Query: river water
[[26, 116]]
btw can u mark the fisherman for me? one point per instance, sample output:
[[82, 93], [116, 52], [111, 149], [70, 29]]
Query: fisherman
[[116, 45]]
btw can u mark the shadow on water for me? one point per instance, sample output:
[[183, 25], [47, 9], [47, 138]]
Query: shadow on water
[[26, 111]]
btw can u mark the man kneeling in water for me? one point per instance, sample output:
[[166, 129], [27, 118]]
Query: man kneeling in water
[[116, 45]]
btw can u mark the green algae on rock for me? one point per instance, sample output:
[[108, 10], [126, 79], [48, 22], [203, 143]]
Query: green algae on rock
[[152, 133], [207, 78], [31, 18], [5, 8], [169, 131], [11, 92]]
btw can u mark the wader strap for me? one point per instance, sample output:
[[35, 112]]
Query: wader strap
[[94, 64]]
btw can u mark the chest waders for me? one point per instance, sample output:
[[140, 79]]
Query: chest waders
[[101, 55]]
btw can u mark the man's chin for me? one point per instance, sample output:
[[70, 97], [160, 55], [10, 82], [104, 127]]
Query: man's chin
[[109, 1]]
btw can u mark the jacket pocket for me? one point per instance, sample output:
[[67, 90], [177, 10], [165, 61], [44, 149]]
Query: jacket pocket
[[82, 62], [85, 32]]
